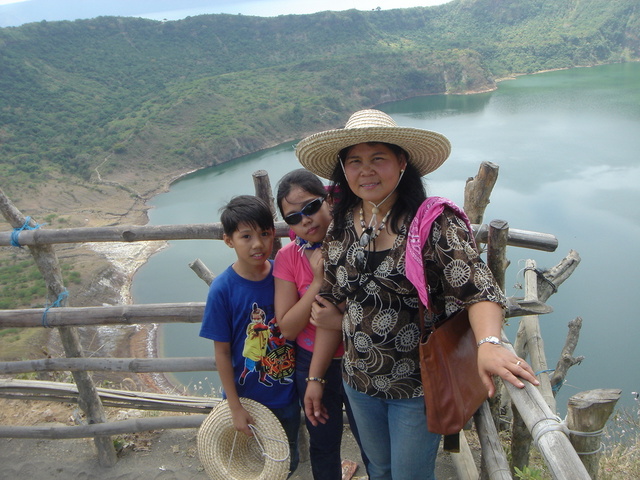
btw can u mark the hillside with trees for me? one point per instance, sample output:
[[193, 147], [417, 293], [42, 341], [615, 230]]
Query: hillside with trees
[[170, 96], [98, 115]]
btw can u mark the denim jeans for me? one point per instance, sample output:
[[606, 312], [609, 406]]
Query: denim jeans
[[394, 436], [324, 439], [290, 420]]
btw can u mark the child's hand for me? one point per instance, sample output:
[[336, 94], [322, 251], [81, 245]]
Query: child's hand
[[325, 314], [241, 420], [317, 265], [313, 407]]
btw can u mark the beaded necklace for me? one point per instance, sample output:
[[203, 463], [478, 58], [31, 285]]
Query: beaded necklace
[[368, 235]]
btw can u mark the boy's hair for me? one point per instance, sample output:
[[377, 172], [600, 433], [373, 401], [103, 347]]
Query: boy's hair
[[246, 209], [302, 178]]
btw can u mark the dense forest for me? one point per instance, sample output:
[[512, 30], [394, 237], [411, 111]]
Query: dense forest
[[157, 96]]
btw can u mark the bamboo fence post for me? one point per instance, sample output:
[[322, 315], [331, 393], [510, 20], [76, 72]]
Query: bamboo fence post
[[548, 432], [478, 190], [497, 250], [47, 262], [99, 364], [104, 429], [263, 190], [463, 461], [535, 344], [189, 312], [529, 340], [545, 242], [587, 415], [567, 360], [39, 390], [497, 263], [549, 281], [494, 461], [202, 271]]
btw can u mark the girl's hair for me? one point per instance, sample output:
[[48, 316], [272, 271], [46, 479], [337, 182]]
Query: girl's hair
[[411, 193], [300, 178]]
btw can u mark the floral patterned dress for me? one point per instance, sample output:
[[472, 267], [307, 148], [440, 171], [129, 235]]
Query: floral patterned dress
[[381, 328]]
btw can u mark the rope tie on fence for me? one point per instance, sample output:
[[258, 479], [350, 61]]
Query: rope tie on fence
[[15, 235], [546, 425], [556, 424], [63, 295], [540, 275], [554, 388], [595, 433]]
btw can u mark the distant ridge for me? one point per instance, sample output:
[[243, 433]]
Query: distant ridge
[[135, 99]]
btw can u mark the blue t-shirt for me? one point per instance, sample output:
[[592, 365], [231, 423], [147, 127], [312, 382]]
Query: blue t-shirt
[[242, 312]]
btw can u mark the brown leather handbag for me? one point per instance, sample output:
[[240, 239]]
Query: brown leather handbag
[[453, 390]]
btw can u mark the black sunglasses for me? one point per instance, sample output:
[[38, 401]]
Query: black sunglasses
[[309, 209]]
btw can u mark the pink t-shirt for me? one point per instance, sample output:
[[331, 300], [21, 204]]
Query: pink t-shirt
[[293, 267]]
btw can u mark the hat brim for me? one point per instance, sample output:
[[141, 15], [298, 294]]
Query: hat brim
[[427, 150], [227, 454]]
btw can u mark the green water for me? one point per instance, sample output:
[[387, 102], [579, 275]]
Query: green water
[[568, 146]]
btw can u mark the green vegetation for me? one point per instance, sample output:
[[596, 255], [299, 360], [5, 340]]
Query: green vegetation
[[23, 285], [200, 91]]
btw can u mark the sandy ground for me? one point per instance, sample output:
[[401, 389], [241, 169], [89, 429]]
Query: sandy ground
[[171, 454], [161, 455]]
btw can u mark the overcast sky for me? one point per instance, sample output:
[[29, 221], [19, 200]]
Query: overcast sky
[[17, 12]]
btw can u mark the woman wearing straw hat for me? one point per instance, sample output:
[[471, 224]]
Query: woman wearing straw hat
[[379, 168]]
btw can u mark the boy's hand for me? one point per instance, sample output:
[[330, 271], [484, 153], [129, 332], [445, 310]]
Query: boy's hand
[[313, 407], [241, 420]]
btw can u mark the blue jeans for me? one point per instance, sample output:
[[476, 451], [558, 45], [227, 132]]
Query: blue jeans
[[324, 439], [290, 420], [394, 436]]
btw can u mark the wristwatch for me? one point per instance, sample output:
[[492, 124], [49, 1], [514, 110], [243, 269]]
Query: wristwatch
[[492, 339]]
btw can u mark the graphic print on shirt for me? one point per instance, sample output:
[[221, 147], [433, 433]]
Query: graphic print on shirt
[[266, 351]]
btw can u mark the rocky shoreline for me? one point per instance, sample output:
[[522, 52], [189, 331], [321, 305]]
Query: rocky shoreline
[[125, 259]]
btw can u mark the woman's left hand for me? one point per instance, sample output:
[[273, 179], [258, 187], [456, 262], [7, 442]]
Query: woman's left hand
[[325, 314], [497, 360], [486, 321]]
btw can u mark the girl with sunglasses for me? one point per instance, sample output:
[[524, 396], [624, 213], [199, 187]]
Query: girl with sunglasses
[[298, 271], [378, 167]]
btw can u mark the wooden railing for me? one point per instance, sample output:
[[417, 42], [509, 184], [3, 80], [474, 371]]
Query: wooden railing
[[535, 406]]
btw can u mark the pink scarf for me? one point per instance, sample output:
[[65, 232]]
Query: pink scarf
[[418, 236]]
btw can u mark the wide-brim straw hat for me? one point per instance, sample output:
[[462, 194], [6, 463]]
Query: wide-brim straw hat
[[227, 454], [319, 152]]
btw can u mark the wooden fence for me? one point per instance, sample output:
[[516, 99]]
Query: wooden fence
[[534, 420]]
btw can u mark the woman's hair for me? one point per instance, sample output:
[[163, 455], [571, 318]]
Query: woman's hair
[[411, 193], [300, 178]]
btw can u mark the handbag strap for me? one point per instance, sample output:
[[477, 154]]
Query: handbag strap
[[418, 237]]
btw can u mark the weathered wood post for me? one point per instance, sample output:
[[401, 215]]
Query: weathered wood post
[[497, 263], [263, 190], [478, 190], [539, 286], [587, 415], [494, 461], [88, 400]]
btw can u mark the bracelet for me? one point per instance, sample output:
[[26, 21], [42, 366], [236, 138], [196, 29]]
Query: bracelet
[[491, 339], [321, 381]]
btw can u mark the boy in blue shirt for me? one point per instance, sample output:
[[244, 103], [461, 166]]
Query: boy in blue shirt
[[253, 358]]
